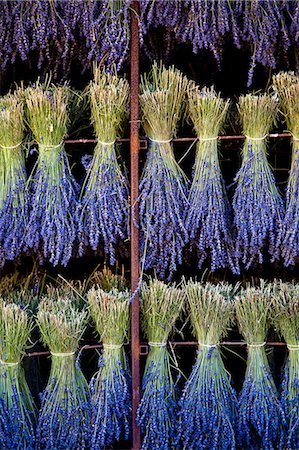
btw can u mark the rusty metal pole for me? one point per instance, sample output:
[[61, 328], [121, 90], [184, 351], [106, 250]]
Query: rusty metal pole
[[134, 165]]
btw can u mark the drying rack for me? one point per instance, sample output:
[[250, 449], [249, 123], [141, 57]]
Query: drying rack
[[137, 142]]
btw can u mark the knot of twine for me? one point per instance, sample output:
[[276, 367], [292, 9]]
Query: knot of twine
[[157, 344], [10, 147], [62, 354], [112, 346], [201, 344], [49, 146], [293, 347], [295, 138], [106, 143], [213, 138], [260, 344], [256, 138], [160, 141], [9, 364]]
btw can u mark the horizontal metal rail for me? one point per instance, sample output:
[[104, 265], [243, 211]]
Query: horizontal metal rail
[[144, 346]]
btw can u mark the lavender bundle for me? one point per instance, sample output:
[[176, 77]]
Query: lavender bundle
[[51, 229], [13, 195], [162, 202], [157, 413], [263, 28], [261, 421], [17, 410], [286, 86], [111, 385], [257, 204], [104, 210], [208, 406], [64, 417], [208, 214], [285, 304]]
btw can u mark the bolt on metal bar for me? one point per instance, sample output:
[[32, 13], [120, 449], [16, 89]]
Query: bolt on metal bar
[[134, 166]]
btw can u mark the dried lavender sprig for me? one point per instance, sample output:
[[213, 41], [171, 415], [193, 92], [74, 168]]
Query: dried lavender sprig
[[257, 204], [286, 86], [208, 218], [111, 385], [17, 409], [162, 201], [157, 413], [64, 417], [261, 421], [13, 196], [51, 230], [208, 406], [104, 207], [285, 302]]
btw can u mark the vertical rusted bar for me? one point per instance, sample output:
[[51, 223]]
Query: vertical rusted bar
[[134, 163]]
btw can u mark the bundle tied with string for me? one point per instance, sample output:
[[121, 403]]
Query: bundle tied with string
[[17, 409], [161, 305], [286, 86], [208, 406], [64, 419], [261, 421], [285, 306], [13, 195], [257, 204], [208, 218], [51, 230], [111, 384], [162, 200], [104, 203]]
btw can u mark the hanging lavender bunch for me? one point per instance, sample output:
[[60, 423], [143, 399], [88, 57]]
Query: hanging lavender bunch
[[7, 23], [286, 86], [205, 23], [64, 417], [263, 28], [261, 422], [13, 195], [208, 214], [104, 210], [111, 385], [286, 319], [162, 200], [208, 406], [51, 230], [107, 32], [165, 15], [157, 413], [17, 410], [257, 204]]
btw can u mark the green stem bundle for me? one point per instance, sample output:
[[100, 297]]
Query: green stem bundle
[[157, 414], [104, 208], [13, 195], [285, 304], [51, 230], [64, 419], [17, 410], [163, 196], [208, 406], [261, 422], [111, 385], [208, 218], [257, 204]]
